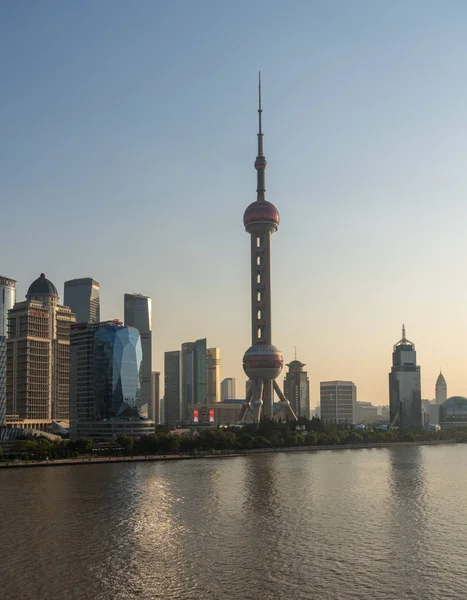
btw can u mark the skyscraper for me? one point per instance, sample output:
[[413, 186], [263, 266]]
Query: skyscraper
[[82, 296], [7, 301], [137, 309], [405, 400], [297, 389], [441, 389], [38, 358], [214, 375], [156, 400], [172, 396], [228, 388], [338, 401], [194, 375], [262, 362], [105, 387]]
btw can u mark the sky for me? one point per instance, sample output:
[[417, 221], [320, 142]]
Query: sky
[[128, 140]]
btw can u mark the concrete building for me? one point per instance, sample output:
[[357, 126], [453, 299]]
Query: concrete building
[[193, 375], [366, 412], [137, 313], [297, 389], [338, 401], [405, 400], [262, 362], [38, 358], [228, 388], [441, 389], [105, 387], [213, 366], [156, 400], [172, 395], [82, 297], [218, 413], [7, 301]]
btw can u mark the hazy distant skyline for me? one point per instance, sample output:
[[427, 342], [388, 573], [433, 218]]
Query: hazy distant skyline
[[129, 135]]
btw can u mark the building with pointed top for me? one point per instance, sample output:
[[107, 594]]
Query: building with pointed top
[[262, 362], [405, 400], [441, 389], [297, 389]]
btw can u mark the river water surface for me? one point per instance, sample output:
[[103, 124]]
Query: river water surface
[[376, 524]]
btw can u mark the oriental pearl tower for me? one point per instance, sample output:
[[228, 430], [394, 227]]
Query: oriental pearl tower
[[262, 362]]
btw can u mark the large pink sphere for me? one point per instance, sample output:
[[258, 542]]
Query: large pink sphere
[[263, 361], [261, 213]]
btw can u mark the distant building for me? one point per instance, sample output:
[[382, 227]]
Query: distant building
[[338, 401], [228, 388], [105, 388], [297, 389], [172, 396], [405, 400], [137, 313], [162, 418], [365, 412], [453, 412], [441, 389], [82, 297], [194, 375], [7, 301], [217, 413], [213, 366], [38, 359], [156, 401]]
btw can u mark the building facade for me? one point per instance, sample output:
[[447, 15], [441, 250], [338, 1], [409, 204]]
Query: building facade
[[213, 366], [193, 375], [83, 298], [137, 313], [105, 387], [228, 390], [38, 358], [405, 400], [172, 395], [338, 401], [7, 301], [297, 389], [441, 389], [156, 398]]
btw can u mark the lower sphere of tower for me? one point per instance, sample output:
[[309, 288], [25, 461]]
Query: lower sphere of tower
[[263, 361]]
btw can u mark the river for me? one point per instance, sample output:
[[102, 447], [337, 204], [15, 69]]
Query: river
[[376, 524]]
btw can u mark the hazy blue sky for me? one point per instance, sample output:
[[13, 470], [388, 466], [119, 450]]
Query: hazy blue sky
[[128, 139]]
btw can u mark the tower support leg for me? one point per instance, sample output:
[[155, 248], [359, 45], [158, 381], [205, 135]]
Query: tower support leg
[[268, 399], [257, 399], [247, 410], [284, 407]]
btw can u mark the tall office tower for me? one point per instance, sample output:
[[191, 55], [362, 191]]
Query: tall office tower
[[7, 301], [213, 359], [38, 358], [137, 313], [262, 362], [194, 375], [441, 389], [297, 389], [82, 297], [156, 397], [105, 387], [172, 396], [228, 388], [338, 401], [405, 400]]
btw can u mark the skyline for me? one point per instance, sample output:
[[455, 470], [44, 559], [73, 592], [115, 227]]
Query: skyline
[[363, 113]]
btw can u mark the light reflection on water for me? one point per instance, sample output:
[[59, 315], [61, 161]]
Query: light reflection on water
[[362, 524]]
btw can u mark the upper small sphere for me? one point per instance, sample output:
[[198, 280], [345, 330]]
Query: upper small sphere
[[42, 287], [261, 213]]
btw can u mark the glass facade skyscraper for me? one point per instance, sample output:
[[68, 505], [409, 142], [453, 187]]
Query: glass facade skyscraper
[[105, 388], [194, 375], [172, 397], [82, 296]]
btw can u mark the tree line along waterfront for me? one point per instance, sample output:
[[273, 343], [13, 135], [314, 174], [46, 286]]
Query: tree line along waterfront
[[266, 435]]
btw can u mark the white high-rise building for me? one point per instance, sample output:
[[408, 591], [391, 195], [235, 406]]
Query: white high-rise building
[[213, 365], [82, 296], [228, 388], [7, 301], [338, 400], [441, 389], [137, 313]]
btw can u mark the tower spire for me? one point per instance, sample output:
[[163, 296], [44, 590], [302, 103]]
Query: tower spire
[[260, 162], [403, 333]]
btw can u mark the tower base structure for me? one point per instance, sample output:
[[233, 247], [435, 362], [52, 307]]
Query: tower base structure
[[259, 403]]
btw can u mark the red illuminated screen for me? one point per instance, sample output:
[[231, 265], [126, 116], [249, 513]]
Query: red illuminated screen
[[196, 416], [211, 415]]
